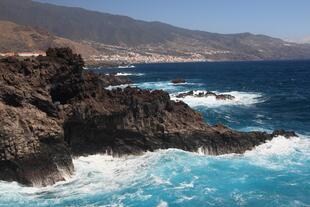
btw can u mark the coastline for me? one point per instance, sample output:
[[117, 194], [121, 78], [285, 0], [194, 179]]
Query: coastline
[[69, 113], [117, 65]]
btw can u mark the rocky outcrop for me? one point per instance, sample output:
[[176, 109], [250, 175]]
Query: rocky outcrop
[[51, 110], [32, 150], [206, 94], [32, 147], [178, 81]]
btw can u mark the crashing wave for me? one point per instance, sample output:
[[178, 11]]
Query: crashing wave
[[118, 86], [101, 175], [280, 153], [129, 74], [126, 66], [281, 146], [166, 85], [241, 98]]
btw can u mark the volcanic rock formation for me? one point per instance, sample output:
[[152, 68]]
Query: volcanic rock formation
[[178, 81], [206, 94], [52, 110]]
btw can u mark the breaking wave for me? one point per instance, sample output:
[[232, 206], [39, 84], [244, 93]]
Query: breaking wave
[[161, 85], [241, 98], [281, 153], [129, 74], [166, 86], [126, 66], [118, 86], [103, 180]]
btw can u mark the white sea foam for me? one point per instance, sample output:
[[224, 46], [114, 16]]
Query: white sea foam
[[160, 85], [241, 98], [281, 146], [113, 172], [259, 129], [118, 86], [126, 66], [185, 185], [104, 174], [93, 174], [165, 85], [129, 74], [162, 204], [280, 152], [159, 180]]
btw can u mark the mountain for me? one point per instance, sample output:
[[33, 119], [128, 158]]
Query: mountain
[[101, 28], [20, 38]]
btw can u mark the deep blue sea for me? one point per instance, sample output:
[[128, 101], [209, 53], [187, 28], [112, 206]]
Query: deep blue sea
[[269, 95]]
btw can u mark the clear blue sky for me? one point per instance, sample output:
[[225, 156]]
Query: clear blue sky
[[279, 18]]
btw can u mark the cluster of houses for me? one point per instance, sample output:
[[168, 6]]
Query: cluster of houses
[[132, 57], [22, 54]]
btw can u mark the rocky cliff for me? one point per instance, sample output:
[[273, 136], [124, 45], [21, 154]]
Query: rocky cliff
[[52, 110]]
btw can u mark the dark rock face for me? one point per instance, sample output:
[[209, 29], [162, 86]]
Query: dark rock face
[[178, 81], [32, 150], [52, 109], [284, 133], [206, 94]]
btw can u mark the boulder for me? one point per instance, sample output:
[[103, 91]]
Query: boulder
[[178, 81], [206, 94]]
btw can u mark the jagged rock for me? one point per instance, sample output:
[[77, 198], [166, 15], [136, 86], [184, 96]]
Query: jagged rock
[[51, 109], [183, 95], [224, 97], [206, 94], [284, 133], [178, 81]]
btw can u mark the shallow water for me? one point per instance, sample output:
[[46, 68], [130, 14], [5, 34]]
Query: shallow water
[[269, 95]]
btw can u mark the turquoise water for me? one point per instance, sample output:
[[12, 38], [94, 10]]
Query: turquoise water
[[269, 95]]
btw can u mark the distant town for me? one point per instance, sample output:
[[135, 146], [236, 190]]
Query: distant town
[[120, 58], [110, 56], [22, 54], [145, 58], [121, 55]]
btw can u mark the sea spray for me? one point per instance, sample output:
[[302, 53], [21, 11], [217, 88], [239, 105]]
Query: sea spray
[[187, 177], [129, 74], [240, 99]]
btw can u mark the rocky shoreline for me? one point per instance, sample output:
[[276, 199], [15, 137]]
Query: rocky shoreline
[[52, 110], [206, 94]]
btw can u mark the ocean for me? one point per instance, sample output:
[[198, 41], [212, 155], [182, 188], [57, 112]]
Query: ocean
[[269, 95]]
